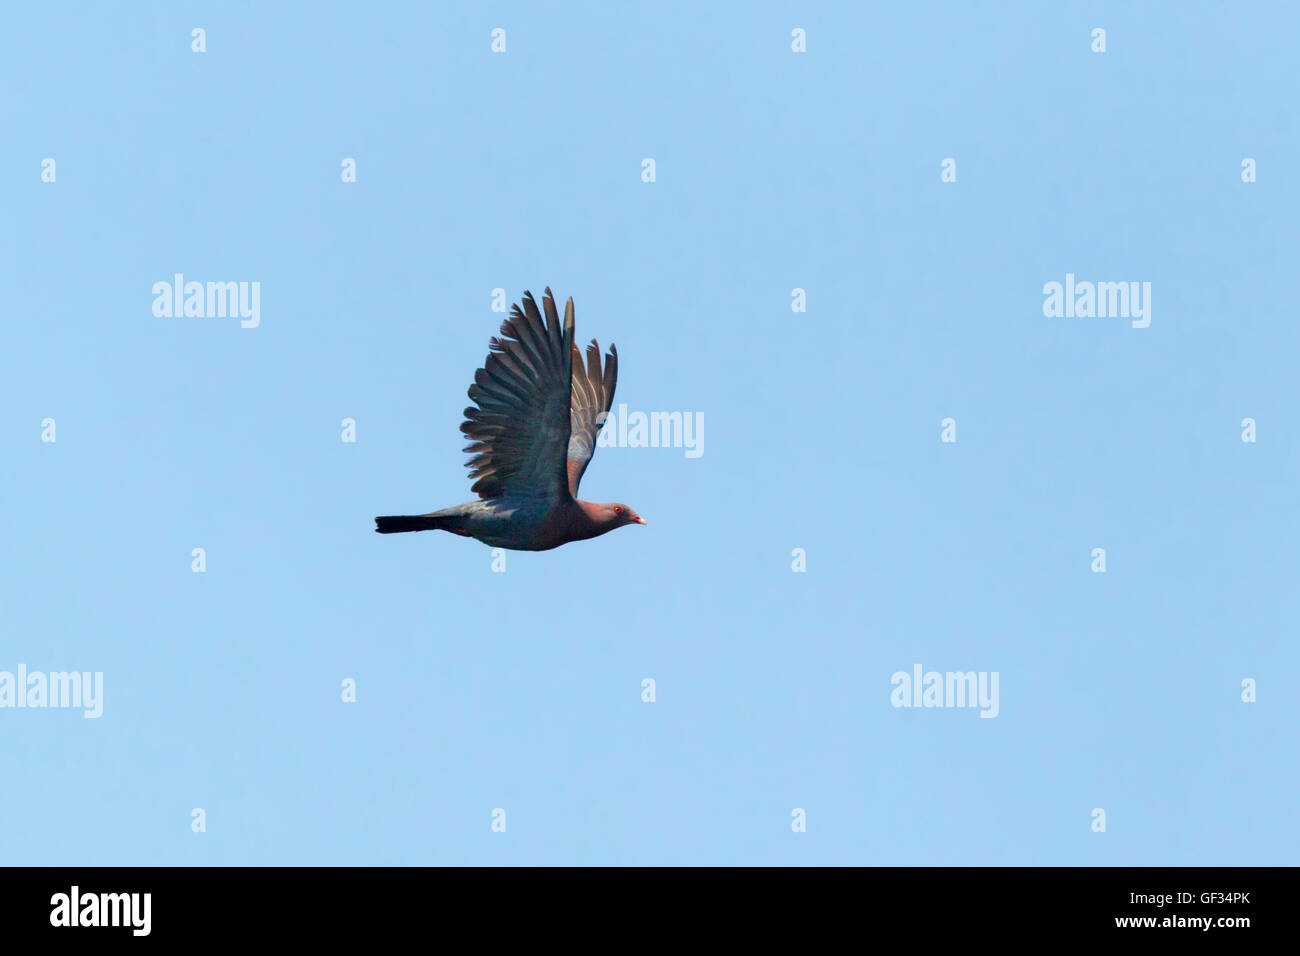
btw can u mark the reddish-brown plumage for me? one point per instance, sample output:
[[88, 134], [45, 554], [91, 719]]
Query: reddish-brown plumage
[[538, 409]]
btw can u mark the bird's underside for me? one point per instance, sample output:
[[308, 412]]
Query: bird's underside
[[538, 409]]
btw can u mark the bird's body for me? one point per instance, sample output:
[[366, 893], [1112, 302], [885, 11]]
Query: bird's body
[[523, 524], [539, 409]]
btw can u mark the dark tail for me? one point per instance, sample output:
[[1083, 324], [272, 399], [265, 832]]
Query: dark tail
[[392, 524]]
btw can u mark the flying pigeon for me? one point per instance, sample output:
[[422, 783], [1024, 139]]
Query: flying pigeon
[[539, 409]]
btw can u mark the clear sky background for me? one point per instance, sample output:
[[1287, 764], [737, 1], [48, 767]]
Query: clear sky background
[[775, 171]]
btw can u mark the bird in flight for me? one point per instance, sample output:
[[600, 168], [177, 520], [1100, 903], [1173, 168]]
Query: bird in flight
[[539, 410]]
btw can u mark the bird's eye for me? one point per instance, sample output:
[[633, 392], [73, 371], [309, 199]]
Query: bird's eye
[[618, 510]]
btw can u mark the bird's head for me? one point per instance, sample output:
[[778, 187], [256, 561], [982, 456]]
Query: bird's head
[[617, 515]]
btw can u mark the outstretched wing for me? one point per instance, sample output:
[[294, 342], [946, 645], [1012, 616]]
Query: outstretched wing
[[520, 430], [593, 396]]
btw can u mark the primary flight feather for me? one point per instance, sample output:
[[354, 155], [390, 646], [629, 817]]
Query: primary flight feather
[[537, 411]]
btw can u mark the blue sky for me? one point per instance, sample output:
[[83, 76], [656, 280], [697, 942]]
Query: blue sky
[[774, 170]]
